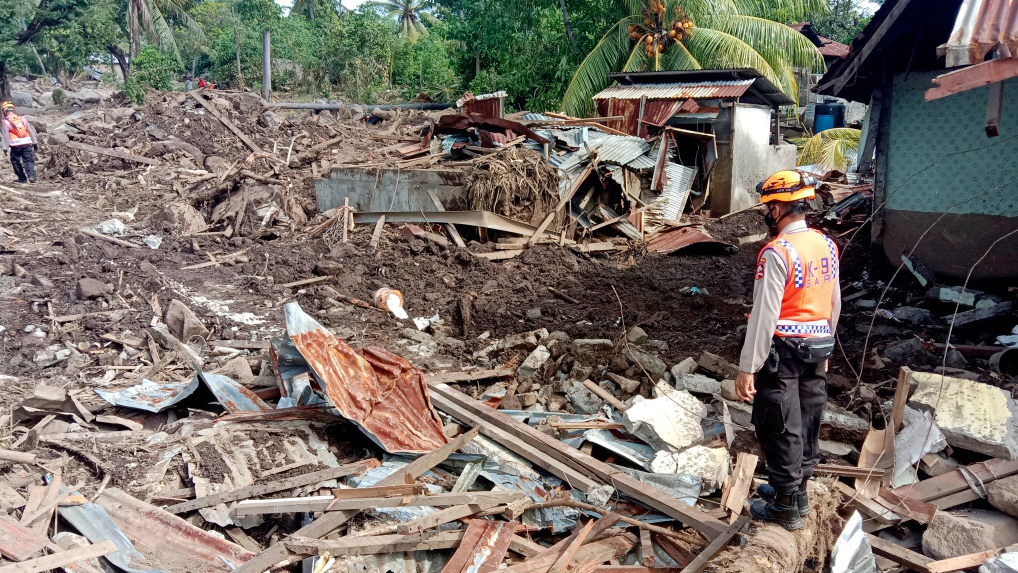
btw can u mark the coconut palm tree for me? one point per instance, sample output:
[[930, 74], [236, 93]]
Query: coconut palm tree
[[153, 19], [695, 34], [410, 14], [832, 149]]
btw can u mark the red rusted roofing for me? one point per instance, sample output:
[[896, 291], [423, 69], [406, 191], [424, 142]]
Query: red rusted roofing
[[678, 90], [981, 26], [829, 47], [671, 240], [374, 388]]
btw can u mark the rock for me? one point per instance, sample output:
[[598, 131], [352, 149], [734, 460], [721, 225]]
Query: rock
[[601, 495], [163, 337], [183, 322], [698, 384], [22, 99], [718, 366], [42, 282], [584, 401], [1006, 563], [270, 120], [637, 335], [899, 351], [537, 358], [46, 398], [728, 390], [580, 372], [836, 449], [239, 369], [655, 345], [1003, 495], [418, 336], [972, 415], [952, 534], [646, 361], [618, 364], [533, 313], [40, 125], [914, 315], [592, 349], [865, 304], [181, 217], [57, 138], [161, 148], [46, 99], [839, 383], [528, 399], [525, 341], [670, 421], [839, 424], [710, 464], [627, 385], [51, 355], [84, 96], [247, 104], [687, 366], [560, 336], [91, 288]]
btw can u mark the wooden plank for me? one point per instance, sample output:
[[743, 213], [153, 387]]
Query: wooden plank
[[60, 559], [742, 481], [328, 503], [112, 153], [562, 453], [911, 509], [674, 551], [541, 563], [601, 247], [250, 491], [303, 282], [874, 454], [978, 75], [607, 521], [953, 482], [634, 569], [114, 240], [849, 471], [278, 552], [904, 557], [563, 560], [351, 546], [471, 539], [963, 561], [240, 537], [498, 255], [647, 548], [525, 547], [700, 561], [900, 398], [229, 124], [444, 516], [379, 491], [377, 233], [606, 396], [866, 506], [18, 542], [562, 203], [456, 238]]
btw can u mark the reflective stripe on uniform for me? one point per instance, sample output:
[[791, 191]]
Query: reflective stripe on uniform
[[797, 272], [19, 141], [803, 328]]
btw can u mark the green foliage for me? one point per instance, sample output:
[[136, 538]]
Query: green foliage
[[832, 148], [843, 21], [425, 67], [152, 68], [410, 15], [59, 97]]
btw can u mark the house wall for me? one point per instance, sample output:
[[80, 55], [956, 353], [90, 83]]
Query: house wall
[[390, 189], [750, 160], [937, 160]]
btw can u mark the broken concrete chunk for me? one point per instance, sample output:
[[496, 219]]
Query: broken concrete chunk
[[1006, 563], [270, 120], [637, 335], [954, 294], [728, 390], [91, 288], [646, 361], [592, 349], [919, 437], [418, 336], [687, 366], [537, 358], [697, 384], [1003, 494], [952, 534], [839, 424], [584, 401], [710, 464], [162, 335], [41, 281], [628, 385], [51, 355], [601, 495], [183, 322], [914, 315], [972, 415], [899, 351], [718, 366], [836, 449], [670, 421], [46, 398]]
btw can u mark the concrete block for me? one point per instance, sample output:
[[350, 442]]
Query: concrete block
[[698, 384], [972, 415], [952, 534], [710, 464], [537, 358], [670, 421], [899, 351], [637, 335], [1003, 494], [627, 385], [91, 288], [839, 424], [584, 401], [183, 322], [588, 349], [718, 366], [646, 361], [687, 366], [728, 390]]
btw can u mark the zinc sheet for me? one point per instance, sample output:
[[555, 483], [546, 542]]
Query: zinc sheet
[[676, 190], [982, 25], [678, 90]]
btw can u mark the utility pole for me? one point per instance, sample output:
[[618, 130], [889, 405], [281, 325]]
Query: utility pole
[[266, 65]]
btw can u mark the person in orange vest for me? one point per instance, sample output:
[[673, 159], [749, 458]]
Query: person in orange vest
[[20, 138], [790, 336]]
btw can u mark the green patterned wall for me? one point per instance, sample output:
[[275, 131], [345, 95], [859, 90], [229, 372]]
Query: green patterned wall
[[938, 154]]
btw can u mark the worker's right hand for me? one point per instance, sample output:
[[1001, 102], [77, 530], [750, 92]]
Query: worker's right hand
[[745, 386]]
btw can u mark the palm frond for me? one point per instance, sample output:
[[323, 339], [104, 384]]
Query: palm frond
[[430, 18], [832, 149], [700, 10], [677, 57], [592, 74], [786, 10], [157, 31], [772, 40], [637, 60], [717, 49]]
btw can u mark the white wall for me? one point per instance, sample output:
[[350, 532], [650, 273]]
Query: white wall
[[753, 157]]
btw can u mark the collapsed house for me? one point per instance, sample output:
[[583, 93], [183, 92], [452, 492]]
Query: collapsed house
[[944, 175]]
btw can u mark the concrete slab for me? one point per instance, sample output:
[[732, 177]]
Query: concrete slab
[[972, 415]]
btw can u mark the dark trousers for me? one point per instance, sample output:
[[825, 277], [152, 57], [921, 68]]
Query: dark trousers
[[23, 161], [789, 403]]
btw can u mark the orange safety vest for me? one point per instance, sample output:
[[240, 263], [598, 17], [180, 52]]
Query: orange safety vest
[[811, 260], [17, 131]]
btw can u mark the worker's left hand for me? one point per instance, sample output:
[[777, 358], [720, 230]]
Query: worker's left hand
[[745, 386]]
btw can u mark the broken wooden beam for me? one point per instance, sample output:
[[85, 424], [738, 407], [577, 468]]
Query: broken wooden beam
[[273, 487], [112, 153], [700, 561], [451, 228], [904, 557], [19, 457], [114, 240], [61, 559], [606, 396], [329, 503], [229, 124], [350, 546], [962, 561]]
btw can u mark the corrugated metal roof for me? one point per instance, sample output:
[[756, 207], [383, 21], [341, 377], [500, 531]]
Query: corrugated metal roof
[[981, 26], [615, 149], [678, 90], [676, 191]]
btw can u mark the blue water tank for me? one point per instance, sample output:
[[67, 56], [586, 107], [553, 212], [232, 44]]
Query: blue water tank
[[829, 114]]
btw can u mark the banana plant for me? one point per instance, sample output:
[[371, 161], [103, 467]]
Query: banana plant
[[698, 34]]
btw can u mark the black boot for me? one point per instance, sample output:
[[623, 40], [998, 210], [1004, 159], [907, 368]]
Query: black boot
[[767, 493], [782, 510]]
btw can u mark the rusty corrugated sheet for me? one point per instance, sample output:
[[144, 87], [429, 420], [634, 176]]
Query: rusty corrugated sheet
[[981, 26], [150, 396], [231, 395], [674, 239], [629, 109], [678, 90], [488, 107], [379, 391], [658, 112], [484, 545]]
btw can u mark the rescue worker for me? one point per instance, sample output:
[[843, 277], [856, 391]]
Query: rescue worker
[[796, 303], [20, 138]]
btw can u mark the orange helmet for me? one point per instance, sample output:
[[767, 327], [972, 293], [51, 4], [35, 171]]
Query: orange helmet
[[788, 185], [7, 106]]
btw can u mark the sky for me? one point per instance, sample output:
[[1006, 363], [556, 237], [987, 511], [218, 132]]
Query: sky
[[351, 4]]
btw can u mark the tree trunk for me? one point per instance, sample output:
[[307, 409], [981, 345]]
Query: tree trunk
[[134, 47], [236, 39], [122, 62], [194, 64], [565, 20], [5, 86]]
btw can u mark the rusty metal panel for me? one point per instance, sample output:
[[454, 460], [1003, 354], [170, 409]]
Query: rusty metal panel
[[150, 396], [981, 26], [629, 109], [678, 90], [483, 547], [379, 391], [231, 395], [671, 240]]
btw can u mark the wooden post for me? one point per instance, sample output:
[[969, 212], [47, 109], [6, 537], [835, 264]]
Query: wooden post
[[346, 217]]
